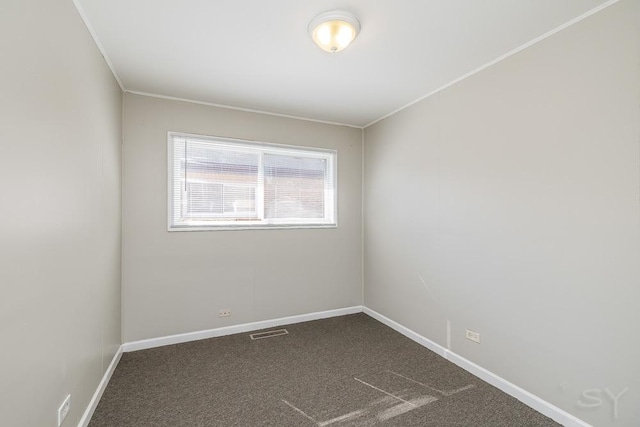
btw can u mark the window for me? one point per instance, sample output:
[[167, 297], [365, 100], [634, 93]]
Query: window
[[219, 183]]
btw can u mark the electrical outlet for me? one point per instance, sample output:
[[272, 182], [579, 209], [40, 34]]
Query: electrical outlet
[[63, 410], [224, 312], [473, 336]]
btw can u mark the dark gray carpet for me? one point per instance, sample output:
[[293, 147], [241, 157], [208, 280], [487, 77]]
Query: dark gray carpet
[[344, 371]]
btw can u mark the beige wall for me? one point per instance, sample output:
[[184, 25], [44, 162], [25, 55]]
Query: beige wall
[[175, 282], [514, 196], [60, 127]]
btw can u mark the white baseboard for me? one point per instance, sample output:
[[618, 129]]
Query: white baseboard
[[236, 329], [529, 399], [93, 403], [425, 342]]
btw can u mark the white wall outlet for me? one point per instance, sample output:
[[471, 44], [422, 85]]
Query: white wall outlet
[[63, 410], [473, 336], [224, 312]]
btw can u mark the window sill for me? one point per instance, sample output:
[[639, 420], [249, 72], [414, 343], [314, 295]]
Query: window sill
[[253, 227]]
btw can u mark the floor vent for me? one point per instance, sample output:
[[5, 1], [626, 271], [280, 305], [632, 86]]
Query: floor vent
[[269, 334]]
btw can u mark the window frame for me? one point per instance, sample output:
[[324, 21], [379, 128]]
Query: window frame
[[266, 147]]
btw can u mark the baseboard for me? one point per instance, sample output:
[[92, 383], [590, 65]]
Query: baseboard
[[425, 342], [529, 399], [93, 403], [236, 329]]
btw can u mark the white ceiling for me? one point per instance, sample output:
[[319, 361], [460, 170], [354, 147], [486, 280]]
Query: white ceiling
[[256, 54]]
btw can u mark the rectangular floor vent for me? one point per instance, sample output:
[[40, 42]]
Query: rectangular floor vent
[[268, 334]]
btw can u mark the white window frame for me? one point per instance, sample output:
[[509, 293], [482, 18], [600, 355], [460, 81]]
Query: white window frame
[[330, 196]]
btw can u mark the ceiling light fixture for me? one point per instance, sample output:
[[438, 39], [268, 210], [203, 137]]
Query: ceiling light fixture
[[333, 31]]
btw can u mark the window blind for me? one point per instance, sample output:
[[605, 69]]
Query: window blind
[[217, 183]]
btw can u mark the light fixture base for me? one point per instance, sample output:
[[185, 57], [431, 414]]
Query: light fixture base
[[334, 30]]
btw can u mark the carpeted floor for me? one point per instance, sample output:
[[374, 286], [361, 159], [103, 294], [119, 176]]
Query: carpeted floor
[[344, 371]]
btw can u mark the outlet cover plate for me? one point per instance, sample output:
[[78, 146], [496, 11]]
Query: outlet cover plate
[[473, 336], [63, 410]]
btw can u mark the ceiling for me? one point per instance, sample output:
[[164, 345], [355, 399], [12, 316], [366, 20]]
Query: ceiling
[[257, 54]]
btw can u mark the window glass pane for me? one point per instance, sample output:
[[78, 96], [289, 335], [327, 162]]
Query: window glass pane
[[294, 186], [221, 182], [239, 199], [203, 198]]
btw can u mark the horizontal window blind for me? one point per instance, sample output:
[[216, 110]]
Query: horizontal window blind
[[219, 183]]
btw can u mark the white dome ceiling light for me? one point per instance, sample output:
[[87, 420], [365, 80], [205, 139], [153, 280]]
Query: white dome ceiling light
[[334, 30]]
